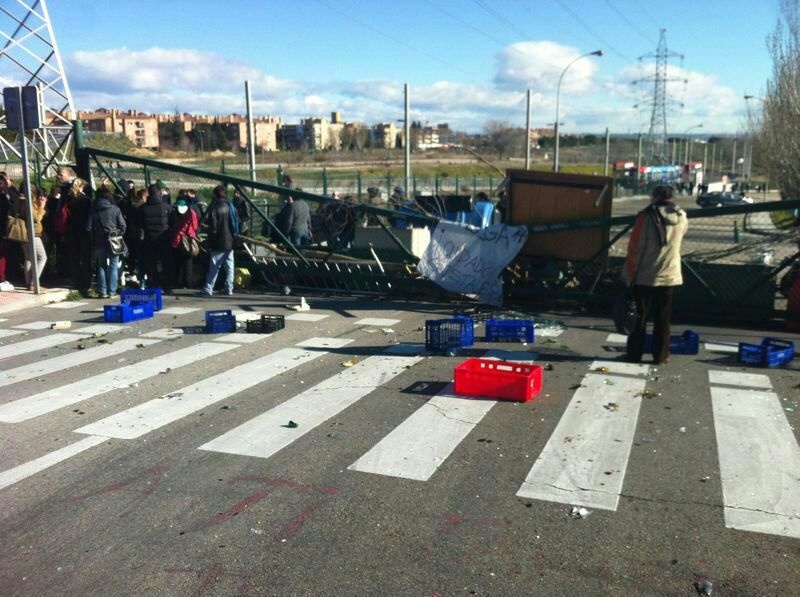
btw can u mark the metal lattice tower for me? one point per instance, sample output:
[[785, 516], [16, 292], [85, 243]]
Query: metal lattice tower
[[31, 57], [656, 152]]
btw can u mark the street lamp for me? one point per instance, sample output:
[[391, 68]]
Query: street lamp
[[688, 141], [558, 97]]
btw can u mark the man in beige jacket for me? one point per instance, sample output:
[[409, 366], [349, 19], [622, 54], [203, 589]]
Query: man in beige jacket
[[653, 266]]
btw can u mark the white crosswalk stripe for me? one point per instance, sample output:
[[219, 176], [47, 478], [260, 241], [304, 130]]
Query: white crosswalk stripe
[[759, 456], [268, 433], [73, 359], [585, 459], [69, 394], [169, 408]]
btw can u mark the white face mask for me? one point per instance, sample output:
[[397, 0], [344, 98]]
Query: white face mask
[[182, 209]]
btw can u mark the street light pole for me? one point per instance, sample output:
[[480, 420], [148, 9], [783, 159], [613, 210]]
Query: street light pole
[[558, 98]]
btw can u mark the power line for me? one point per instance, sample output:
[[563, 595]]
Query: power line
[[382, 33], [499, 42], [630, 23], [581, 22]]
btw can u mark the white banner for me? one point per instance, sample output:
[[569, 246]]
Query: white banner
[[469, 261]]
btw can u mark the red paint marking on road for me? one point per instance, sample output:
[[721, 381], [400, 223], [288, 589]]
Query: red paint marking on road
[[450, 522], [157, 473], [253, 498], [294, 526]]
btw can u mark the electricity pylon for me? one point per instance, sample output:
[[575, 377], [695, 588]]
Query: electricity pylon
[[30, 57], [656, 147]]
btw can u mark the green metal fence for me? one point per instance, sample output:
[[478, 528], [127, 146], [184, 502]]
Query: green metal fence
[[733, 256]]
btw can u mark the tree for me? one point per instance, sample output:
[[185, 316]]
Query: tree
[[780, 133], [502, 138]]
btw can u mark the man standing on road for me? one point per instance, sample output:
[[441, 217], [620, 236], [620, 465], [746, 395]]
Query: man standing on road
[[653, 266], [222, 225]]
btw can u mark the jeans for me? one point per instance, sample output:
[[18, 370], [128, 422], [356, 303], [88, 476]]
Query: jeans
[[217, 260], [107, 271], [41, 259]]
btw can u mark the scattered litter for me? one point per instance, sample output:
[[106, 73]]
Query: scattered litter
[[612, 406], [350, 362], [705, 587], [61, 325], [548, 367], [80, 346], [608, 382], [334, 434], [292, 425], [579, 512], [704, 479], [682, 429], [387, 330], [603, 369], [257, 531], [649, 394], [303, 306], [576, 386]]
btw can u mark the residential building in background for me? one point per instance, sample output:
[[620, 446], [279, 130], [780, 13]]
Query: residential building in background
[[205, 132]]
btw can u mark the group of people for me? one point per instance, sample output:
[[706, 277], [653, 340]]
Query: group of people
[[78, 234]]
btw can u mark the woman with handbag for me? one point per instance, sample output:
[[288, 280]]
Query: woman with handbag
[[8, 198], [653, 267], [39, 209], [184, 242]]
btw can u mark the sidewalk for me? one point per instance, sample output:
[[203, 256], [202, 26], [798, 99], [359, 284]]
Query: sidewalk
[[17, 299]]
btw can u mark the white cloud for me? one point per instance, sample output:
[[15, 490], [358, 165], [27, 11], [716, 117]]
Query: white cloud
[[159, 80], [538, 65]]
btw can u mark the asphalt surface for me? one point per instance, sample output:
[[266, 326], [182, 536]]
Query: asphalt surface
[[132, 505]]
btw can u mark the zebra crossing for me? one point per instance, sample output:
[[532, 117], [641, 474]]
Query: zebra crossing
[[583, 462]]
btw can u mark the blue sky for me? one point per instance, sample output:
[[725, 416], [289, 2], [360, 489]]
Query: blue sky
[[467, 62]]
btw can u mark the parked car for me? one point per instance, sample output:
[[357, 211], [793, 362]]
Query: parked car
[[718, 199]]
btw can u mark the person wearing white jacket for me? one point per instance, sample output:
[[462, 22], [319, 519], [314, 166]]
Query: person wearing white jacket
[[653, 267]]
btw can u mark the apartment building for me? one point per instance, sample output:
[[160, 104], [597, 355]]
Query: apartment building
[[140, 128]]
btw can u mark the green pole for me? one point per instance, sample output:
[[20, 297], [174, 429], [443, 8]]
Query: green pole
[[457, 186], [358, 185], [324, 181], [436, 184]]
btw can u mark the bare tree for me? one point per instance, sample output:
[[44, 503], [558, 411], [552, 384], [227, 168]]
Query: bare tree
[[780, 134], [502, 138]]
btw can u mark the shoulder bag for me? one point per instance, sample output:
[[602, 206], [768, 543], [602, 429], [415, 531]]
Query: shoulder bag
[[16, 230]]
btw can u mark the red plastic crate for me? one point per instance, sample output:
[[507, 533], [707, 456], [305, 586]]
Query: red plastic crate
[[505, 380]]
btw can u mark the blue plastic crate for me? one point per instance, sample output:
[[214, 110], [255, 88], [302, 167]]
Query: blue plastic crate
[[686, 343], [772, 352], [141, 295], [125, 312], [509, 330], [220, 322], [447, 335]]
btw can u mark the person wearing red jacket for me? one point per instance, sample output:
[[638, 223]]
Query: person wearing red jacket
[[184, 223]]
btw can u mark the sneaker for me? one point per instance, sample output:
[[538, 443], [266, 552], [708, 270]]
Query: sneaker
[[105, 296], [229, 292], [92, 293], [6, 286], [203, 293]]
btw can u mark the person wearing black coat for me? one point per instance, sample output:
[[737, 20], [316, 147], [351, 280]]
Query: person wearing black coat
[[153, 219], [104, 217], [222, 226]]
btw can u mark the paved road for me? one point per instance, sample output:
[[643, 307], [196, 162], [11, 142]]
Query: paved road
[[153, 459]]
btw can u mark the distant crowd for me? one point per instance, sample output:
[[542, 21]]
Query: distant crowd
[[97, 242]]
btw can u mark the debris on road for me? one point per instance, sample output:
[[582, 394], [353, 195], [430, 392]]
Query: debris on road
[[705, 587], [579, 512]]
